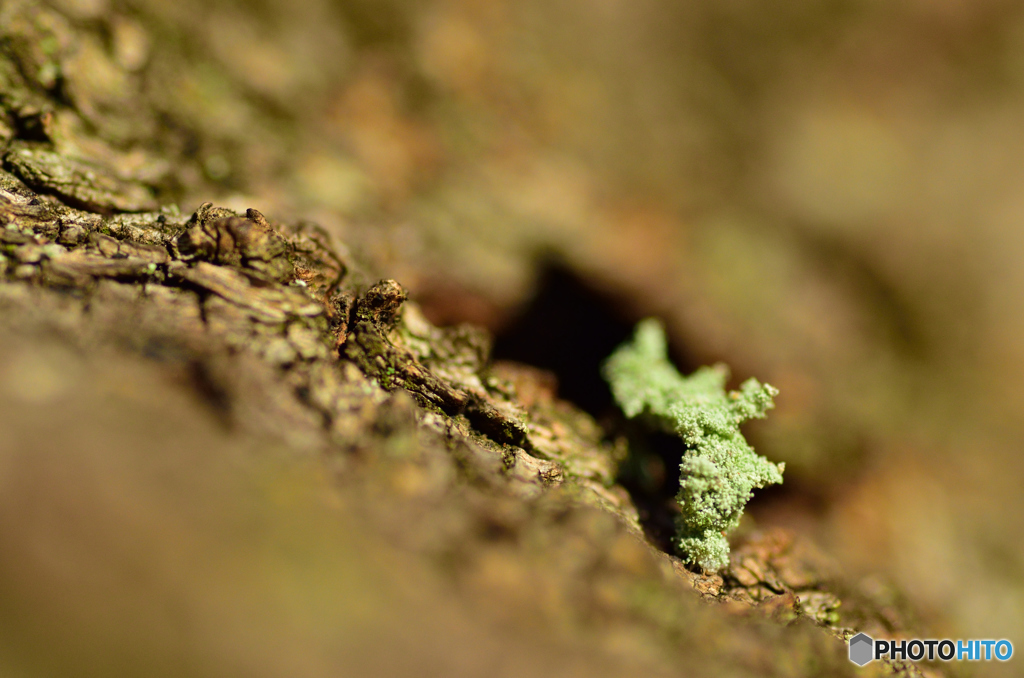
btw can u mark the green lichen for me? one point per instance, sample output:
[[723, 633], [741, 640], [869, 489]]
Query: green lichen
[[719, 469]]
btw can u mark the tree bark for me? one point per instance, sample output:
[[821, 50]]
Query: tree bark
[[479, 490]]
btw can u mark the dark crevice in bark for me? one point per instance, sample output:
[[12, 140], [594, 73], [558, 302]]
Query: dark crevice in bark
[[568, 328]]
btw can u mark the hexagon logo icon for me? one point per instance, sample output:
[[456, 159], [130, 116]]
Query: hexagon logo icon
[[862, 648]]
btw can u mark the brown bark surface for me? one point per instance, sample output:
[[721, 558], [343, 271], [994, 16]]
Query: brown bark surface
[[231, 448]]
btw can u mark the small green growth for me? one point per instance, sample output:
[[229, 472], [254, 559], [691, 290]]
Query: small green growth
[[719, 468]]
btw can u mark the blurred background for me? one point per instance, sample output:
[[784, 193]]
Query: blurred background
[[828, 196]]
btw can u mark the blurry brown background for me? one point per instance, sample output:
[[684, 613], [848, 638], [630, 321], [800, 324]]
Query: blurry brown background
[[827, 196]]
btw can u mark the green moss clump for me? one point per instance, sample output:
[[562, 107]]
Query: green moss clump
[[719, 468]]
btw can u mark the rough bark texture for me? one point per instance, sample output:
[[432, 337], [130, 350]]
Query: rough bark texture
[[453, 506]]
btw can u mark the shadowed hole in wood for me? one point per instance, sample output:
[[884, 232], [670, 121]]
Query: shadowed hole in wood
[[569, 328]]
